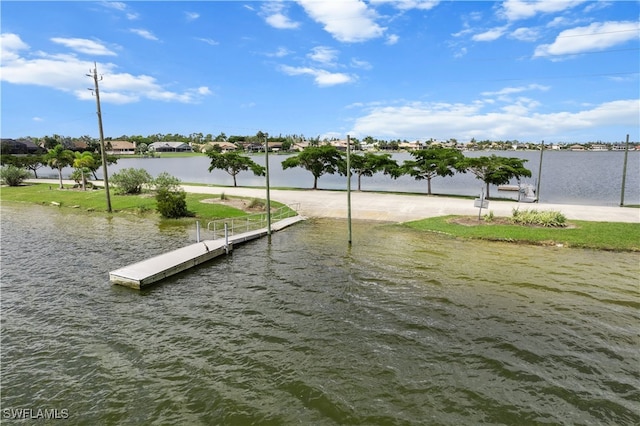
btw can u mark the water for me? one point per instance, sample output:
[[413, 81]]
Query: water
[[590, 178], [403, 328]]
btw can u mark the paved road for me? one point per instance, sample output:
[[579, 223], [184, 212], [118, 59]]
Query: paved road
[[402, 208]]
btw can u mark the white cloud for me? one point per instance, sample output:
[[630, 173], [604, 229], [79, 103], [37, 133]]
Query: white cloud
[[392, 39], [514, 10], [122, 7], [82, 45], [68, 73], [515, 120], [525, 34], [323, 55], [278, 20], [346, 20], [11, 45], [144, 33], [357, 63], [281, 52], [594, 37], [274, 13], [490, 35], [321, 77], [191, 16], [408, 4], [209, 41], [520, 89], [118, 5]]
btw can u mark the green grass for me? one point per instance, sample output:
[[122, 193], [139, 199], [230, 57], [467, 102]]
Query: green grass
[[96, 200], [595, 235]]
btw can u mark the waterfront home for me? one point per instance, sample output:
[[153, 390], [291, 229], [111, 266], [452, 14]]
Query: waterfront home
[[223, 146], [121, 147], [170, 147]]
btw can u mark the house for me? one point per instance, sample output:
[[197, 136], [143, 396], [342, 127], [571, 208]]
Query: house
[[299, 146], [170, 147], [576, 148], [224, 146], [78, 145], [599, 147], [20, 146], [410, 146], [122, 148]]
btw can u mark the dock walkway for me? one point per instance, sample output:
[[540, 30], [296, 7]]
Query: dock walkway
[[141, 274]]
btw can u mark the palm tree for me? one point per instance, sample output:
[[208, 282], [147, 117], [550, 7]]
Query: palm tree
[[84, 162], [59, 158]]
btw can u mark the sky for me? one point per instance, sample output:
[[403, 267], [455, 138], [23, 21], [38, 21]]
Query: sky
[[558, 71]]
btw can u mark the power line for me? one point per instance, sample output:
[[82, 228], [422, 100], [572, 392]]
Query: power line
[[593, 34]]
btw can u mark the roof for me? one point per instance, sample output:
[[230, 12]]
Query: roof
[[122, 145], [171, 145]]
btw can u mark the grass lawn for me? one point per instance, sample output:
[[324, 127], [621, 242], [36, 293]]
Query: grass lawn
[[596, 235], [96, 200]]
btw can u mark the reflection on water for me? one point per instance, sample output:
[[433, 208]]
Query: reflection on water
[[401, 328]]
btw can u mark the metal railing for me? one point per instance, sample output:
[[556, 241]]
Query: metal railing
[[252, 222]]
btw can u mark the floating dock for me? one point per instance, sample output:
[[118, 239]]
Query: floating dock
[[141, 274]]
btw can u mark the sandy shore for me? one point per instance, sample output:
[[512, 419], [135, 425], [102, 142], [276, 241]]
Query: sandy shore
[[401, 208]]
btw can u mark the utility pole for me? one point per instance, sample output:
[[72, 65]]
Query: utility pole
[[539, 173], [349, 186], [266, 162], [624, 171], [96, 90]]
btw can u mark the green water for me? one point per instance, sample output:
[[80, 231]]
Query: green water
[[402, 328]]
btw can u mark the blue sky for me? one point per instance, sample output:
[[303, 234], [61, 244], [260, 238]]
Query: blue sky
[[559, 71]]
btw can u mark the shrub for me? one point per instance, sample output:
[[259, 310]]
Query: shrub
[[166, 181], [171, 199], [172, 204], [12, 175], [489, 216], [536, 218], [131, 181], [256, 204], [81, 177]]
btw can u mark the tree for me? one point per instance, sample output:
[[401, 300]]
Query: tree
[[496, 170], [84, 162], [431, 162], [170, 197], [30, 162], [318, 160], [370, 163], [233, 163], [33, 163], [97, 162], [142, 148], [131, 181], [59, 158]]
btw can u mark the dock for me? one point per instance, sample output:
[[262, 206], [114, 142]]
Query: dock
[[149, 271]]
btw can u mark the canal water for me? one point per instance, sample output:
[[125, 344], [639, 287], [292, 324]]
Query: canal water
[[402, 328], [590, 178]]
